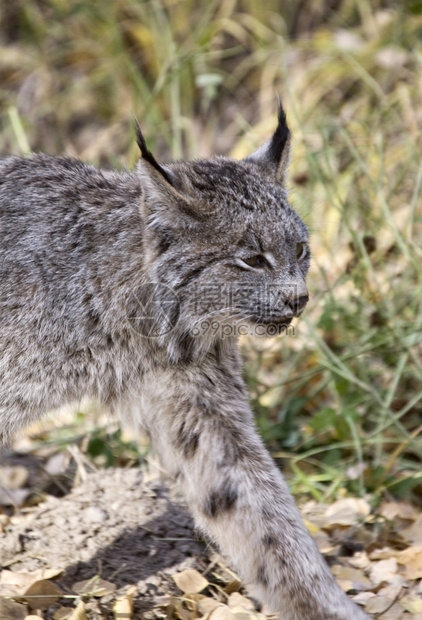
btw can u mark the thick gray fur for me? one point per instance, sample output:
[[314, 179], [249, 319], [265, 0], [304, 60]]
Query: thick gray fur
[[77, 247]]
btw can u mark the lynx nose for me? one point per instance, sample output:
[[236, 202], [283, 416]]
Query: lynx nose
[[297, 304], [298, 299]]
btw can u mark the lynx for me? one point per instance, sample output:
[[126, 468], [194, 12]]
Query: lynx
[[131, 288]]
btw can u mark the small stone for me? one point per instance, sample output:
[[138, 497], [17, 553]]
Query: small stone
[[94, 515]]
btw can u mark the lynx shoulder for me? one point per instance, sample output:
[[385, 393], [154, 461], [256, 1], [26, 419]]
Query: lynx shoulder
[[131, 288]]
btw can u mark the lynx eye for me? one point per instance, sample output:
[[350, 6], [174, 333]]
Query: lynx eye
[[301, 250], [258, 261]]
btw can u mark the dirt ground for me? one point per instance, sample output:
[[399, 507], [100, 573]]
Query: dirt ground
[[115, 525], [127, 536]]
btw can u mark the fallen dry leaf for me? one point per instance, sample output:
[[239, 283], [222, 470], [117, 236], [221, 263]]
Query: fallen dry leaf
[[57, 463], [411, 559], [382, 554], [12, 610], [378, 604], [412, 605], [207, 605], [413, 533], [363, 597], [190, 581], [47, 573], [94, 587], [360, 560], [232, 586], [9, 591], [237, 600], [13, 477], [347, 511], [385, 572], [395, 612], [358, 581], [63, 613], [20, 580], [222, 612], [312, 527], [13, 497], [79, 613], [4, 522], [391, 591], [24, 580], [192, 599], [182, 613], [41, 594], [392, 510], [123, 607]]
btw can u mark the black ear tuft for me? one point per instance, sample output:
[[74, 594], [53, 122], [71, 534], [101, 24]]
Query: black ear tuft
[[273, 157], [148, 156], [281, 137]]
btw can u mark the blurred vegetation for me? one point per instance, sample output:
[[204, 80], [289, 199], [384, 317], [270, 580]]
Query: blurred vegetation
[[342, 401]]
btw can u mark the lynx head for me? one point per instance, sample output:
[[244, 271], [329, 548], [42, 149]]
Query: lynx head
[[221, 234]]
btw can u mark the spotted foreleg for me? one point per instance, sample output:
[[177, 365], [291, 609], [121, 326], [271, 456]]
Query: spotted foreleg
[[204, 432]]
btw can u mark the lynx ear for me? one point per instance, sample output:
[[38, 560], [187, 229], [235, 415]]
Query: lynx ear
[[164, 200], [149, 157], [273, 156]]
